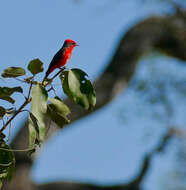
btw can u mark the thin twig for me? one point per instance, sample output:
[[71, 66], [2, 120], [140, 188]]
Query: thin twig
[[6, 165], [27, 101], [16, 150], [52, 88], [19, 80], [15, 114], [60, 71]]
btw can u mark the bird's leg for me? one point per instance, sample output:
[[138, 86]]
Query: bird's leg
[[62, 68], [60, 71]]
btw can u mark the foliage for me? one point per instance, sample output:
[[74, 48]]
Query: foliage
[[78, 88], [75, 85]]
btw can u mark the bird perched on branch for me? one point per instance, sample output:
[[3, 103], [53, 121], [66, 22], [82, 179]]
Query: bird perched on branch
[[61, 57]]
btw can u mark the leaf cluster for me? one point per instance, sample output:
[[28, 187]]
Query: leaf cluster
[[76, 86]]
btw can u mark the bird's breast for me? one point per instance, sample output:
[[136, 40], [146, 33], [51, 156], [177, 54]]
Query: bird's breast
[[68, 53]]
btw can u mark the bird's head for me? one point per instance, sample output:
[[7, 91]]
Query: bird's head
[[70, 43]]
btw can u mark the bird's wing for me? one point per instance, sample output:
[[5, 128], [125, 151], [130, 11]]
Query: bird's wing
[[57, 57]]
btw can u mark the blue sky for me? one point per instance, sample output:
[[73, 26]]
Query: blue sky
[[101, 148]]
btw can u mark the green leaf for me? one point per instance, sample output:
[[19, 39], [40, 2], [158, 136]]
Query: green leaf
[[60, 106], [1, 183], [35, 66], [7, 162], [8, 99], [34, 123], [77, 87], [2, 112], [34, 133], [12, 72], [38, 110], [2, 136], [6, 92], [58, 111]]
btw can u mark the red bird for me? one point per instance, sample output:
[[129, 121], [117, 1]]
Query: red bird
[[62, 56]]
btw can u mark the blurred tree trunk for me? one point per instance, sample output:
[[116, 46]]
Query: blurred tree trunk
[[166, 34]]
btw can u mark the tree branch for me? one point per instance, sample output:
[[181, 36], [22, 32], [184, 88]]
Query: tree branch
[[135, 183]]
